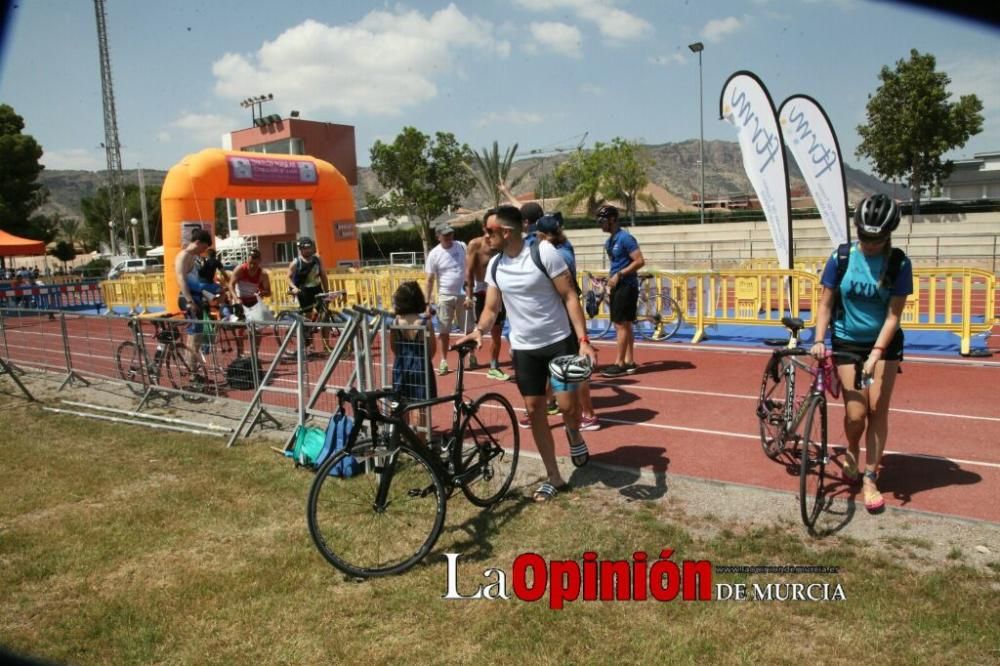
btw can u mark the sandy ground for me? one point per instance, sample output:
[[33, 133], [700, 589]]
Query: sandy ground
[[703, 507]]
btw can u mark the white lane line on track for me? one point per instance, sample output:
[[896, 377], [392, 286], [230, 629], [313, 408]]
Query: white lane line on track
[[737, 396], [835, 445]]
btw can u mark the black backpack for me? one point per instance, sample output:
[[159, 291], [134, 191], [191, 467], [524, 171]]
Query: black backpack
[[896, 257], [536, 257], [239, 374]]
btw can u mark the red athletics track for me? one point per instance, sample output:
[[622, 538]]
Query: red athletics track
[[690, 411]]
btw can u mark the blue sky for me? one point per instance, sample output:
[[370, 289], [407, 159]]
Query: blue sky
[[540, 73]]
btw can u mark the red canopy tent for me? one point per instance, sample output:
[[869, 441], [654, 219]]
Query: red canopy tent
[[15, 246]]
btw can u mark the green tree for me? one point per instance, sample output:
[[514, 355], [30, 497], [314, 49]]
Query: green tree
[[489, 169], [912, 123], [69, 231], [97, 212], [424, 178], [624, 178], [20, 191], [64, 251], [583, 170]]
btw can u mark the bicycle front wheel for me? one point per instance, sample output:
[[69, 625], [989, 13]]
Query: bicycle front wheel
[[129, 362], [381, 522], [813, 462], [485, 454], [774, 393]]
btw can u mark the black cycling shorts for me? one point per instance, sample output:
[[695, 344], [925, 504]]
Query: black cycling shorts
[[307, 297], [480, 297], [624, 302], [531, 366], [894, 352]]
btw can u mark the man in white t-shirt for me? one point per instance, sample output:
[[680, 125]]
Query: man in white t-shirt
[[546, 321], [446, 263]]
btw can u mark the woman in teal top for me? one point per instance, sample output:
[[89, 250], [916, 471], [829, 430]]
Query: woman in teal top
[[869, 296]]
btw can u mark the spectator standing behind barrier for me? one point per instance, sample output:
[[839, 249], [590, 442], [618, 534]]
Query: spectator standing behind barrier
[[477, 257], [869, 304], [190, 299], [623, 281], [546, 321], [446, 264], [550, 228], [412, 350]]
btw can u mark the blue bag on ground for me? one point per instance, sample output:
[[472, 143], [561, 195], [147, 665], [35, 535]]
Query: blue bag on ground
[[337, 433]]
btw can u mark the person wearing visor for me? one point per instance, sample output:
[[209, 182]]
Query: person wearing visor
[[550, 228], [864, 299], [623, 281], [546, 322]]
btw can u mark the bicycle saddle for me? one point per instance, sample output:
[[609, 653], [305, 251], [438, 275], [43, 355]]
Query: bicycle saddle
[[794, 323]]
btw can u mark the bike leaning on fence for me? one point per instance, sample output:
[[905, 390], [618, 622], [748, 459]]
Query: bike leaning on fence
[[385, 520], [169, 360], [658, 315], [797, 424]]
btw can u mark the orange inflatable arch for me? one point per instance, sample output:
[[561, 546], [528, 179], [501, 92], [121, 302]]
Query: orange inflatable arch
[[192, 186]]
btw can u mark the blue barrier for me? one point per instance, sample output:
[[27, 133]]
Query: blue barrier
[[85, 295]]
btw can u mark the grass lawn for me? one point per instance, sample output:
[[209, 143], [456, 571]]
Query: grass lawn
[[122, 545]]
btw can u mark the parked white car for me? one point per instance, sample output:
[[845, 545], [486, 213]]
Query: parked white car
[[147, 265]]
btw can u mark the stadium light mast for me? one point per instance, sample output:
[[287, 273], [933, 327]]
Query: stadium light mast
[[698, 47], [112, 147]]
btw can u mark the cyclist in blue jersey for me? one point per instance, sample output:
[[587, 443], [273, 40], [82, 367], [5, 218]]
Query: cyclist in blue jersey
[[623, 281], [865, 305]]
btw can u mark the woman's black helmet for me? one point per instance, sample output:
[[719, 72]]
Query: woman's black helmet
[[876, 217]]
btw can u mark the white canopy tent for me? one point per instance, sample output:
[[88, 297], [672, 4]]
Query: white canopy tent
[[234, 245]]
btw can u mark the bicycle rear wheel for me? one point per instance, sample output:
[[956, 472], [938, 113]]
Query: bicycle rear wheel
[[129, 362], [485, 455], [813, 462], [180, 375], [381, 522], [774, 393], [660, 324]]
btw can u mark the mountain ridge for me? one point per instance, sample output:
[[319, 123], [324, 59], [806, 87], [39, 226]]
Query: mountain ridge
[[674, 167]]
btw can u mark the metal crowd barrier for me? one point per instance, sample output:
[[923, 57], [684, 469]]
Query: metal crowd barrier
[[961, 301]]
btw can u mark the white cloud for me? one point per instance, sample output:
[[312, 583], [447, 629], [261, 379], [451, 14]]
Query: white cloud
[[79, 159], [611, 21], [205, 128], [664, 60], [716, 29], [509, 117], [592, 89], [384, 63], [163, 137], [557, 37]]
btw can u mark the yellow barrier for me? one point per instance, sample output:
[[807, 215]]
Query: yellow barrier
[[961, 301]]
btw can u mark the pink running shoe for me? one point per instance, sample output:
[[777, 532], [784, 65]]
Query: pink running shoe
[[589, 423]]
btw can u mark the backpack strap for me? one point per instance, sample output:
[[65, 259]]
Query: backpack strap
[[843, 257], [896, 257], [536, 257]]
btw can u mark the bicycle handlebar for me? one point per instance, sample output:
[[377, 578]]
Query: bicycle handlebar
[[356, 397]]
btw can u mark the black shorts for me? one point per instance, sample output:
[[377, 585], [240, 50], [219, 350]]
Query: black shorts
[[531, 366], [624, 302], [894, 352], [480, 297], [307, 297]]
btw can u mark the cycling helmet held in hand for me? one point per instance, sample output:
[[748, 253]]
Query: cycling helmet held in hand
[[876, 217], [570, 369]]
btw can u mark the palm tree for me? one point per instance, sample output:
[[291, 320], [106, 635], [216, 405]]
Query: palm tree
[[69, 230], [489, 170]]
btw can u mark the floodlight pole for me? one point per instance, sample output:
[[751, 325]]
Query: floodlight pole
[[698, 47]]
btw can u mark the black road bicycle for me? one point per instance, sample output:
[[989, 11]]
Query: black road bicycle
[[658, 315], [385, 520], [168, 365], [797, 424]]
